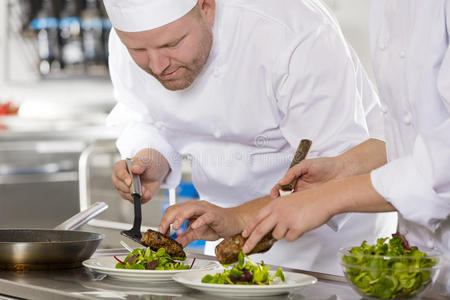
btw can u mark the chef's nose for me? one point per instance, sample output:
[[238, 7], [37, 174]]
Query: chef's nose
[[158, 62]]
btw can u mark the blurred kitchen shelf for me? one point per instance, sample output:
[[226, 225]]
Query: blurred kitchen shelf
[[82, 88]]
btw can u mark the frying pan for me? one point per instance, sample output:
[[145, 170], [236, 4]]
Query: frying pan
[[59, 248]]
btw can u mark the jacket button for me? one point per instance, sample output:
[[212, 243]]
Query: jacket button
[[384, 109], [159, 124], [217, 72], [402, 54], [407, 118], [217, 134]]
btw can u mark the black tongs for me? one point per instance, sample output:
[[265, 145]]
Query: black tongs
[[135, 190]]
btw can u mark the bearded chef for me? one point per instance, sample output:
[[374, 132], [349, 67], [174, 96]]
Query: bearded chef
[[234, 86], [411, 59]]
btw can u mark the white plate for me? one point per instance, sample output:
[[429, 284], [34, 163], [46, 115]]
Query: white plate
[[107, 265], [293, 281]]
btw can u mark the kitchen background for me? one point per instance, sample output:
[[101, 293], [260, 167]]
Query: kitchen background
[[56, 155]]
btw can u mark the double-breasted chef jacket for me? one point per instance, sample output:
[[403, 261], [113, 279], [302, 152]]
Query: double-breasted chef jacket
[[278, 72], [411, 59]]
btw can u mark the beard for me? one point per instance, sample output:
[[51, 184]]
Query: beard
[[190, 71]]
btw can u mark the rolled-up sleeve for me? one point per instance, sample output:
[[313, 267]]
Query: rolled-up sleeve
[[418, 185], [131, 116]]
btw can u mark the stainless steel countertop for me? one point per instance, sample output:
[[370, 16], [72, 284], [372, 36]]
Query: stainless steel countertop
[[81, 283]]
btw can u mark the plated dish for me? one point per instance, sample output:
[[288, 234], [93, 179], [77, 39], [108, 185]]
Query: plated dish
[[107, 265], [292, 281]]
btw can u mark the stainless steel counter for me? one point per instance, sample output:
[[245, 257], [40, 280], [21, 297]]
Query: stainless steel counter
[[80, 283]]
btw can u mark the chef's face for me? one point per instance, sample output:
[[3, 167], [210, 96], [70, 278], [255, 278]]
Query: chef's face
[[175, 53]]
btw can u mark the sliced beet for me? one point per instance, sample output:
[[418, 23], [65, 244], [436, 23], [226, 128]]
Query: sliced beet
[[246, 276], [405, 243], [233, 279], [132, 258], [152, 265]]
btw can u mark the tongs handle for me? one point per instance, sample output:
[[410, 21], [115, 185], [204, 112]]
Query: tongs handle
[[135, 188], [300, 155]]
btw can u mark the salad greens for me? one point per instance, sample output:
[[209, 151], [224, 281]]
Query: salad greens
[[146, 259], [245, 273], [388, 270]]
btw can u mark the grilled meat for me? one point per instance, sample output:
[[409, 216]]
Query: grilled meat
[[156, 240], [227, 251]]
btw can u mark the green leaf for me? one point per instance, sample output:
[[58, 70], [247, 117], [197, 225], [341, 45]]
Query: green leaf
[[207, 278], [279, 273], [161, 252], [236, 272], [137, 267], [241, 260]]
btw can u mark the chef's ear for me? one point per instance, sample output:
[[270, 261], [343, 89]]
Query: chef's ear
[[207, 9]]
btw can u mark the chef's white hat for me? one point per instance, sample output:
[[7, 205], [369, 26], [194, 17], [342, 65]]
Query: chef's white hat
[[141, 15]]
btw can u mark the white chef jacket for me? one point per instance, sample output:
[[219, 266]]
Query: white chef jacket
[[278, 72], [411, 59]]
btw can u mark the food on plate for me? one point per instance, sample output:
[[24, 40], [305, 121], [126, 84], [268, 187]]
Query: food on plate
[[245, 273], [146, 259], [8, 108], [390, 269], [228, 250], [156, 240]]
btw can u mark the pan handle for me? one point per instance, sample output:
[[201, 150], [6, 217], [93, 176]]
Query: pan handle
[[83, 217]]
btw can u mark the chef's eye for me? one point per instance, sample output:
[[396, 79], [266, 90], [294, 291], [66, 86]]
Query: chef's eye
[[137, 49], [173, 45]]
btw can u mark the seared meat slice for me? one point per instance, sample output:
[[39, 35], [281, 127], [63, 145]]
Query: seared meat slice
[[227, 251], [156, 240]]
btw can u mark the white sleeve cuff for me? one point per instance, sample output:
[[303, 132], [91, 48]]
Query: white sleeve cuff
[[337, 222], [401, 183], [138, 136]]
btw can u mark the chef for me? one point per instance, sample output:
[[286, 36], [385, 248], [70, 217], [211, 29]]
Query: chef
[[234, 86], [411, 59]]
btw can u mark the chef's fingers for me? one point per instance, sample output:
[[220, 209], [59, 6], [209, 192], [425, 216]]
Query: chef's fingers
[[205, 219], [148, 190], [186, 238], [291, 174], [176, 214], [259, 232], [275, 191], [139, 165], [119, 184], [146, 196], [125, 196], [191, 235], [280, 231], [121, 172], [293, 235], [256, 219], [202, 233]]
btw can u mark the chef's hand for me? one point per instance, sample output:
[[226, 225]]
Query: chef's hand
[[289, 216], [152, 168], [311, 173], [206, 221], [359, 160]]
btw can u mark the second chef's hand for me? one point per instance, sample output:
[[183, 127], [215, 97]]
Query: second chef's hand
[[292, 216]]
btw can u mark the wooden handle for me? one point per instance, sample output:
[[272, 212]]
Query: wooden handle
[[300, 155]]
